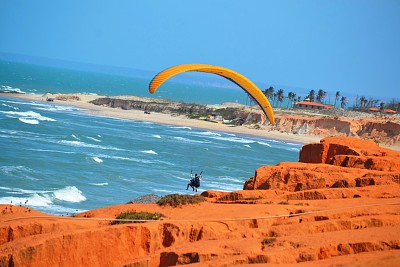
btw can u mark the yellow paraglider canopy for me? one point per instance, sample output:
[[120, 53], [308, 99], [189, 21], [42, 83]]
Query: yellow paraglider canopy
[[235, 77]]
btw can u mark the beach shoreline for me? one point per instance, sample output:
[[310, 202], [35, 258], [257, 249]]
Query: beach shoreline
[[163, 118], [82, 101]]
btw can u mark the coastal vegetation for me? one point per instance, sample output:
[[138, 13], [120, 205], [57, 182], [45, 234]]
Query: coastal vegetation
[[361, 103], [176, 200], [133, 216]]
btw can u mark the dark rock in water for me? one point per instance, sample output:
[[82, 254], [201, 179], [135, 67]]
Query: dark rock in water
[[145, 199]]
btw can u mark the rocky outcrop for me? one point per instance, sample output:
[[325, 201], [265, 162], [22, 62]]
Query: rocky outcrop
[[155, 106], [335, 162], [340, 205], [380, 130]]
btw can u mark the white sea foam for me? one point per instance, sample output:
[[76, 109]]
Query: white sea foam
[[98, 160], [293, 144], [33, 200], [221, 186], [247, 146], [127, 159], [149, 152], [83, 144], [9, 106], [264, 144], [99, 184], [74, 136], [56, 108], [42, 198], [27, 116], [229, 179], [20, 191], [4, 188], [9, 89], [12, 132], [181, 127], [12, 169], [29, 121], [69, 194], [208, 133], [60, 210], [92, 138], [156, 136], [187, 140], [235, 139], [51, 151]]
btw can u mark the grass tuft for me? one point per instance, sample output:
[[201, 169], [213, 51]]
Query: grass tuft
[[176, 200], [134, 215]]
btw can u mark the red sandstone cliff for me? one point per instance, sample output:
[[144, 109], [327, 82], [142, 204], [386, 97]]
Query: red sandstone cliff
[[382, 130], [335, 162], [340, 204]]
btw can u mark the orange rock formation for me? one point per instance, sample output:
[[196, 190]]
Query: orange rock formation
[[339, 205], [383, 130]]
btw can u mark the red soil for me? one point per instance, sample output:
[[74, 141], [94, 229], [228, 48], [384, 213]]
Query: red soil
[[340, 205]]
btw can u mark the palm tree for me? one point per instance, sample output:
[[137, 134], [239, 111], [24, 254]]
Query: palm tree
[[321, 95], [311, 95], [269, 93], [365, 102], [343, 102], [381, 105], [274, 97], [280, 95], [291, 96], [251, 99], [362, 101], [336, 98]]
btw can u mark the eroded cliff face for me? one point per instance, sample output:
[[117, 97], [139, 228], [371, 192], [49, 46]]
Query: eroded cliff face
[[335, 162], [380, 130], [340, 204]]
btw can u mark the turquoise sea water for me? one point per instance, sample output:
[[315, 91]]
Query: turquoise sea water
[[43, 79], [60, 160]]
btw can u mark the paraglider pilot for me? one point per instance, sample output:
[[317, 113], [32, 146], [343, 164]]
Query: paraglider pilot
[[194, 181]]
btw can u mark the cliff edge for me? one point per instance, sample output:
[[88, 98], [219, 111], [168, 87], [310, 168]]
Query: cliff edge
[[339, 205]]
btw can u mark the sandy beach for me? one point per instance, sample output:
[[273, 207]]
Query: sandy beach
[[163, 118]]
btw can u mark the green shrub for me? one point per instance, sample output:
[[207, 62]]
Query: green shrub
[[176, 200], [133, 215]]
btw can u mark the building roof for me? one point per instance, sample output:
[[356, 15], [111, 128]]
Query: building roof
[[373, 109], [389, 111], [315, 104]]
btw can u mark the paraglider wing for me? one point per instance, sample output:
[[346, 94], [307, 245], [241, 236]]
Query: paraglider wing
[[235, 77]]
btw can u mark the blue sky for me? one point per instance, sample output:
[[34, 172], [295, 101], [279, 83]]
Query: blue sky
[[347, 46]]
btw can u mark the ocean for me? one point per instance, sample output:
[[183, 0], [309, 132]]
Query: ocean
[[60, 160]]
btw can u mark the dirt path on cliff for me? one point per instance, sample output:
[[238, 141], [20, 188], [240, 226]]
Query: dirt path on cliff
[[350, 229]]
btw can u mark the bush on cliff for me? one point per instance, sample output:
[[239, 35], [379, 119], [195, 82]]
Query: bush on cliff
[[132, 215], [176, 200]]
